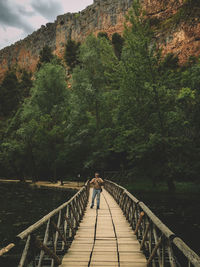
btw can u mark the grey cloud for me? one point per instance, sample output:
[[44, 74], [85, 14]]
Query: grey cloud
[[24, 12], [10, 17], [47, 8]]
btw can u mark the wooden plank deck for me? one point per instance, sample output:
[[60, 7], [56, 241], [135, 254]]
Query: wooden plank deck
[[104, 238]]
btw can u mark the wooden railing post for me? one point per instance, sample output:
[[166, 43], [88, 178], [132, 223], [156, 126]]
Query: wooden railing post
[[46, 236], [25, 252], [145, 236], [70, 225], [154, 252], [48, 251], [59, 232], [156, 239], [68, 217], [139, 223], [74, 215]]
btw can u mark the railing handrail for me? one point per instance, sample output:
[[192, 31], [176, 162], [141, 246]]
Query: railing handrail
[[159, 224], [119, 186], [143, 221], [44, 219], [124, 190], [172, 237], [187, 251], [131, 196], [165, 230], [40, 222]]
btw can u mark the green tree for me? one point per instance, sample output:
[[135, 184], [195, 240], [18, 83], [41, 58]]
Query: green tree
[[43, 119], [103, 35], [12, 159], [90, 97], [89, 80], [118, 42], [71, 54], [25, 84], [9, 94], [144, 103], [187, 105], [127, 108], [45, 56]]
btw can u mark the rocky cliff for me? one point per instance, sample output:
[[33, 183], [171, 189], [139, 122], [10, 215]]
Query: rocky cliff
[[176, 22], [177, 26]]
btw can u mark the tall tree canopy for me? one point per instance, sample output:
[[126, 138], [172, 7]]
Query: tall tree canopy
[[128, 108], [9, 94], [71, 54]]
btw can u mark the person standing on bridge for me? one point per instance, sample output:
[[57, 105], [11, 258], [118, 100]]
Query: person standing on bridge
[[97, 183]]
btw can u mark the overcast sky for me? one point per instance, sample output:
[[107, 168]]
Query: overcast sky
[[18, 18]]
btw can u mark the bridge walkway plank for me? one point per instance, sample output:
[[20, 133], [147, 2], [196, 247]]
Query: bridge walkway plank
[[112, 242]]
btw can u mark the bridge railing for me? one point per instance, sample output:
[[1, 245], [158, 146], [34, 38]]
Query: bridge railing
[[44, 242], [160, 245]]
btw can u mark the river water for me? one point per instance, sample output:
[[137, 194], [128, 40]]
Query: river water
[[21, 206], [179, 212]]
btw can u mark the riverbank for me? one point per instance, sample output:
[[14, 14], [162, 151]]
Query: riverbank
[[46, 184], [147, 186]]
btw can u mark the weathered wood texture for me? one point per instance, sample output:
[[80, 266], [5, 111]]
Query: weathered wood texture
[[104, 238], [119, 234], [160, 245], [44, 243]]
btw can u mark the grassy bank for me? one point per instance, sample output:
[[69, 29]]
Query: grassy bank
[[46, 184], [161, 187]]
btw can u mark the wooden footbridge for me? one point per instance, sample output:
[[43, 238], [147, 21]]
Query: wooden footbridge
[[122, 233]]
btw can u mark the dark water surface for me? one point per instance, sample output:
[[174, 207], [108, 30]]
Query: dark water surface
[[21, 206], [179, 212]]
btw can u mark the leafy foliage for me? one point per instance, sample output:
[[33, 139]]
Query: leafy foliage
[[103, 35], [45, 56], [127, 109], [71, 54], [25, 84], [118, 42], [9, 94]]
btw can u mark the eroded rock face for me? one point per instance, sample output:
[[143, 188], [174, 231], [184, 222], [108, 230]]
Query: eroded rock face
[[178, 26], [184, 42], [178, 35], [103, 15], [25, 53]]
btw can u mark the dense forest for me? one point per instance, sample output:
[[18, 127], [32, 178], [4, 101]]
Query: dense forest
[[111, 104]]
